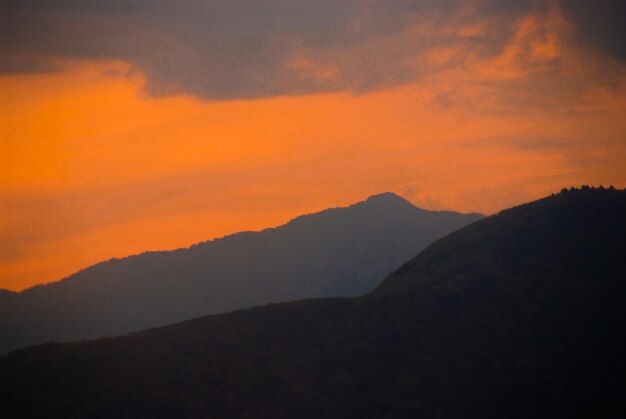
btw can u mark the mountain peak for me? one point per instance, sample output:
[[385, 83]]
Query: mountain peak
[[386, 198], [314, 255]]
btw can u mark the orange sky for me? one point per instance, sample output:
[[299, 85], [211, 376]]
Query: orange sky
[[93, 167]]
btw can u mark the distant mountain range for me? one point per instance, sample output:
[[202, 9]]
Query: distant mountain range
[[520, 315], [337, 252]]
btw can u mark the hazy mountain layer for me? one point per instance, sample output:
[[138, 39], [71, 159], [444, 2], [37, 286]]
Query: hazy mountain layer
[[338, 252], [520, 315]]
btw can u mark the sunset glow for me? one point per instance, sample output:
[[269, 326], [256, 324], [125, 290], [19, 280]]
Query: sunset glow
[[96, 162]]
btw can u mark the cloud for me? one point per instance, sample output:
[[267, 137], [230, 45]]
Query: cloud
[[249, 49], [600, 24]]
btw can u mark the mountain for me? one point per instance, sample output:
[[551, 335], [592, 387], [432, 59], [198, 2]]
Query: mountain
[[337, 252], [519, 315]]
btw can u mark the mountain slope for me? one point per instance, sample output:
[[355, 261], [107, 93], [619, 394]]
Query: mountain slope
[[337, 252], [519, 315]]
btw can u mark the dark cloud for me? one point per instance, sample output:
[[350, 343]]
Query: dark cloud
[[244, 49], [214, 49], [600, 24]]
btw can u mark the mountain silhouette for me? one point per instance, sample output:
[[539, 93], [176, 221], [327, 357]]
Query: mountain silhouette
[[337, 252], [519, 315]]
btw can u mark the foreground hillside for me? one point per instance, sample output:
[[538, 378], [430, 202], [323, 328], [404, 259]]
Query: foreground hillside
[[519, 315], [338, 252]]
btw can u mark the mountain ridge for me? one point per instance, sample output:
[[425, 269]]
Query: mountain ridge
[[382, 197], [341, 251], [449, 334], [583, 197]]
